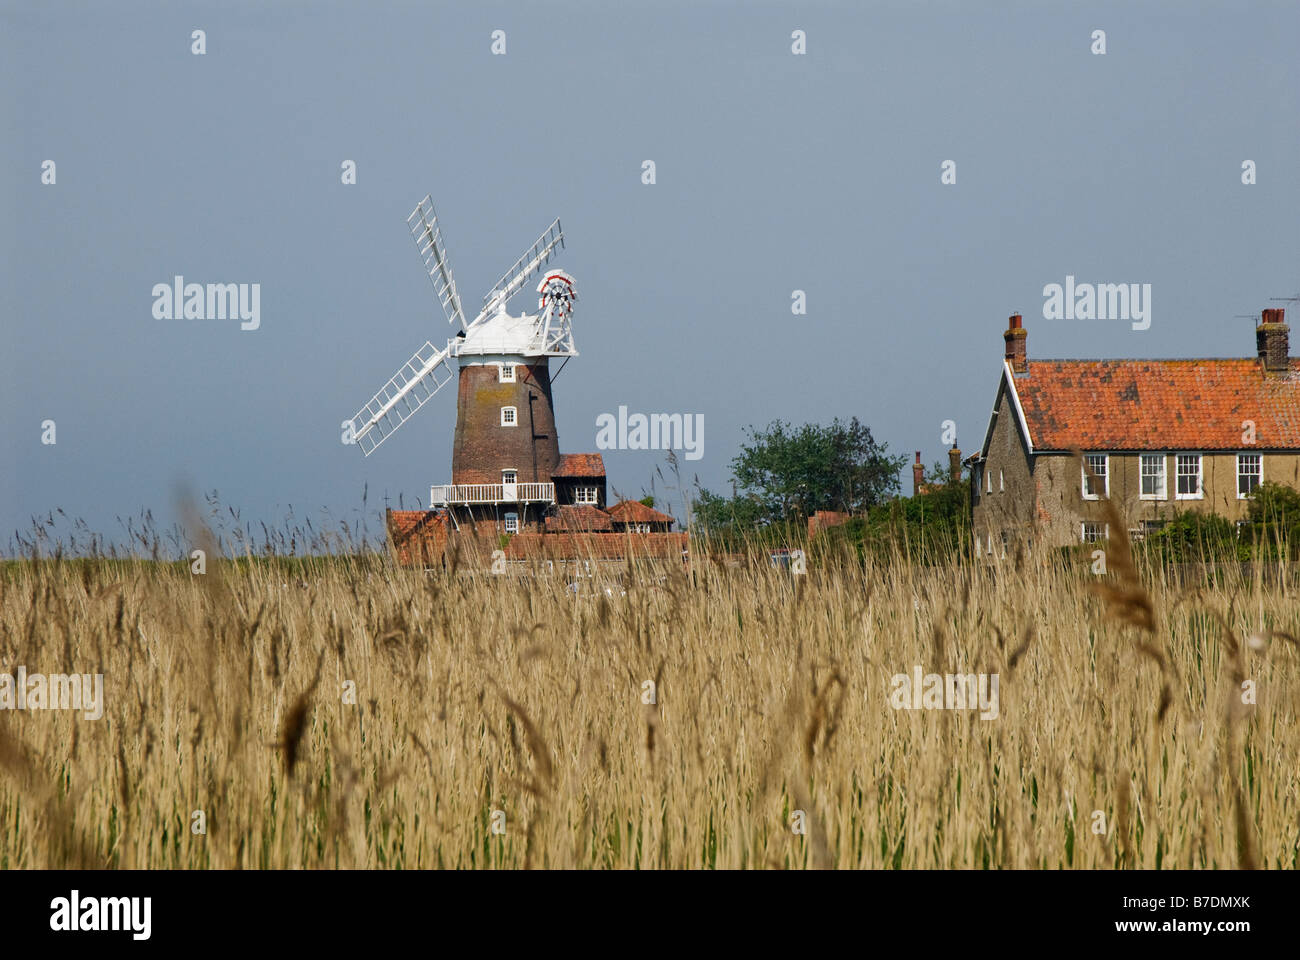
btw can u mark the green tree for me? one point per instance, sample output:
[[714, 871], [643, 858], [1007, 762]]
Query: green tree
[[1274, 503], [786, 473], [1273, 515], [931, 527], [721, 515]]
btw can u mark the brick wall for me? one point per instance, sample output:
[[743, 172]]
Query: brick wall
[[823, 519], [482, 448], [1063, 504]]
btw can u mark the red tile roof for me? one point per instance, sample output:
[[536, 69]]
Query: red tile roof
[[425, 538], [417, 535], [1158, 404], [596, 546], [634, 511], [407, 522], [579, 517], [580, 465]]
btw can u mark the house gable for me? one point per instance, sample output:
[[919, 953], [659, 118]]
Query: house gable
[[1007, 389]]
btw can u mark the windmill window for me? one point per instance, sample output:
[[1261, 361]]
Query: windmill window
[[507, 373], [509, 416], [988, 481], [509, 476], [512, 523]]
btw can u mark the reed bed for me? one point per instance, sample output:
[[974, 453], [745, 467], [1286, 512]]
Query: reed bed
[[507, 721]]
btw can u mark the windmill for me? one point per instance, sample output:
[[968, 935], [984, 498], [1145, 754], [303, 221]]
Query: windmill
[[505, 447]]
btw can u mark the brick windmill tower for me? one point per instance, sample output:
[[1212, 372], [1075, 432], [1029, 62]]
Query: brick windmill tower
[[506, 465]]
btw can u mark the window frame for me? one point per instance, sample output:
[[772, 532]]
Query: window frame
[[1083, 476], [514, 417], [1200, 476], [506, 373], [1259, 474], [508, 518], [514, 476], [988, 480], [578, 495], [1083, 531], [1164, 476]]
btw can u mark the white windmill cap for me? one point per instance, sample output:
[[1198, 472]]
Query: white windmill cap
[[502, 333]]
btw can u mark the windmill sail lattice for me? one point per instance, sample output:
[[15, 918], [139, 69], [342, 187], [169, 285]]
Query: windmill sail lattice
[[423, 224], [513, 280], [415, 382]]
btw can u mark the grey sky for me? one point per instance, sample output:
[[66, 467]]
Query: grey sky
[[775, 172]]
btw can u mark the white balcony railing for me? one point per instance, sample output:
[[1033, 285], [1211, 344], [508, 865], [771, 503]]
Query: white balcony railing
[[457, 494]]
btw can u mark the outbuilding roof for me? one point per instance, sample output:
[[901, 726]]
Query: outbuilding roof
[[580, 465]]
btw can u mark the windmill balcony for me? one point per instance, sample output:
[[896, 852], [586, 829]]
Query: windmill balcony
[[459, 494]]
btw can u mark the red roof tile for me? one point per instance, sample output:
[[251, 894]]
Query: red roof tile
[[579, 517], [580, 465], [417, 535], [634, 511], [407, 522], [1158, 404]]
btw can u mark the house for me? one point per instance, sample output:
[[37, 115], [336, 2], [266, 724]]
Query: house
[[1157, 436]]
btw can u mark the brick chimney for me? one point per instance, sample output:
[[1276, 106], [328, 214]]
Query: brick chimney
[[1271, 341], [1015, 338], [954, 464], [918, 474]]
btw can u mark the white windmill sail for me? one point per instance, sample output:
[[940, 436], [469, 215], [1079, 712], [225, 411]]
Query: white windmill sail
[[513, 280], [415, 382], [423, 224]]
